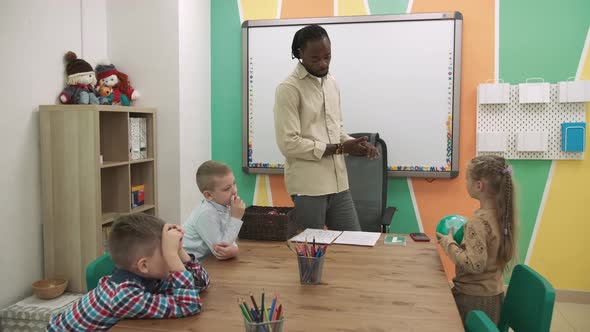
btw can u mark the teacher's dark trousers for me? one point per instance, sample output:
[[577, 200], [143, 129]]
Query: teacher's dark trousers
[[334, 210]]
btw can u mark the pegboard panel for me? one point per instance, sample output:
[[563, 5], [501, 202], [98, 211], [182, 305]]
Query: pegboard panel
[[514, 117]]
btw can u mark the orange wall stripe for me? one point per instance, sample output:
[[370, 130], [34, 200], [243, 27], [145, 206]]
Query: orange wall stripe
[[307, 8], [280, 197], [443, 197]]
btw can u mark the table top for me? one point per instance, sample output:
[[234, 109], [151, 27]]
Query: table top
[[381, 288]]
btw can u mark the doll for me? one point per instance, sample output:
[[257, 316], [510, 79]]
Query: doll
[[123, 92], [80, 82]]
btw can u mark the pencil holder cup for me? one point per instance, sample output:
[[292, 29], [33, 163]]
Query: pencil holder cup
[[310, 269], [269, 326]]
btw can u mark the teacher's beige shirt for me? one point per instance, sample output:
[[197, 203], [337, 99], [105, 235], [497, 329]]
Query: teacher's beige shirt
[[307, 117]]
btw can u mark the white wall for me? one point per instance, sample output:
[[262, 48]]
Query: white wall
[[34, 36], [143, 43], [94, 31], [164, 47], [195, 97]]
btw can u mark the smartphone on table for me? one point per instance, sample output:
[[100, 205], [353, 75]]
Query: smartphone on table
[[419, 237]]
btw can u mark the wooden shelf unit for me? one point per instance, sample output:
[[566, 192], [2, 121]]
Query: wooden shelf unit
[[81, 196]]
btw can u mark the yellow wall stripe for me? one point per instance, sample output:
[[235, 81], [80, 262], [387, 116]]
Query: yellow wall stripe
[[259, 9], [351, 7], [562, 238]]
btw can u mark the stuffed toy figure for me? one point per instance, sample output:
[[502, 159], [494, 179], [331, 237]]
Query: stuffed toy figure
[[80, 82], [123, 93], [105, 94]]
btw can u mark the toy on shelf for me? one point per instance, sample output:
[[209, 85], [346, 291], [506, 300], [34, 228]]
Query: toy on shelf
[[123, 93], [80, 82], [105, 94]]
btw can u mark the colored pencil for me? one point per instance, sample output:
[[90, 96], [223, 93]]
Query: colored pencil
[[263, 313], [247, 309], [272, 307], [246, 315], [254, 302]]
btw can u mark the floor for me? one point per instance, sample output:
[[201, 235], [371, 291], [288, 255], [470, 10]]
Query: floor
[[570, 317]]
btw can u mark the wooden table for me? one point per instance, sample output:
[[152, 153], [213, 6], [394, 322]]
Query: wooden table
[[381, 288]]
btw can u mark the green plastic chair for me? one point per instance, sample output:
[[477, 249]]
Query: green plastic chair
[[478, 321], [528, 306], [100, 267]]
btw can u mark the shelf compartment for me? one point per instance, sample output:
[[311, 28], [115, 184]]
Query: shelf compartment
[[143, 174], [141, 136], [115, 190], [114, 142]]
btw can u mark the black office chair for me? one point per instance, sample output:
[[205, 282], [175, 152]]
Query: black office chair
[[368, 186]]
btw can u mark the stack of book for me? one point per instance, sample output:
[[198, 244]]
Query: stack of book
[[138, 138], [137, 196]]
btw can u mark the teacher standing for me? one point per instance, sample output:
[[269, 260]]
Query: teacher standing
[[310, 134]]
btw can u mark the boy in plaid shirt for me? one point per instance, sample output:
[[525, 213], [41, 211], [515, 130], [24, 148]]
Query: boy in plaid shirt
[[154, 278]]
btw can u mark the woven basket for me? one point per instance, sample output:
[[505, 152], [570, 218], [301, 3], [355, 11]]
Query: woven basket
[[259, 224], [47, 289]]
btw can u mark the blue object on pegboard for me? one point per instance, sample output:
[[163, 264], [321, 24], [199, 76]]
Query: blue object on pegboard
[[573, 136]]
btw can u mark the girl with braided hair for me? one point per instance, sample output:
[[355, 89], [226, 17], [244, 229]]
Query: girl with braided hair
[[488, 246]]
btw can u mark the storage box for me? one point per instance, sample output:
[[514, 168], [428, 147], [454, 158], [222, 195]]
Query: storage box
[[573, 136], [32, 314], [534, 93], [492, 142], [134, 139], [493, 93], [532, 141], [268, 223], [574, 91]]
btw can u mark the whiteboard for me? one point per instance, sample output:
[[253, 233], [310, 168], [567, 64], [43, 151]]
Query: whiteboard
[[399, 76]]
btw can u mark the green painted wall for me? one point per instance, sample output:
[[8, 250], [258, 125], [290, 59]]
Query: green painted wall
[[226, 93], [384, 7], [538, 39]]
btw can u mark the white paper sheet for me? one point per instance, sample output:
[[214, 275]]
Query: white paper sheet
[[321, 236], [358, 238]]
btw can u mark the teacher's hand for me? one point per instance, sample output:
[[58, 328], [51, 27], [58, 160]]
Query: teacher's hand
[[372, 151], [355, 147], [360, 147]]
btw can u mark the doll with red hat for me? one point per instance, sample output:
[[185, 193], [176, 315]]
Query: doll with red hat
[[80, 82], [123, 93]]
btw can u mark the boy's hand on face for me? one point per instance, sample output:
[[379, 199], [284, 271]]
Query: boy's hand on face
[[237, 207], [181, 230], [224, 250], [184, 256], [178, 228], [171, 245]]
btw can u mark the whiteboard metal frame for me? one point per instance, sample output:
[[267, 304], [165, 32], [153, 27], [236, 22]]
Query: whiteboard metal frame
[[457, 17]]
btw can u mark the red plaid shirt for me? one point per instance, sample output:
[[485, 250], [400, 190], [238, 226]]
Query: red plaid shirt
[[128, 295]]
